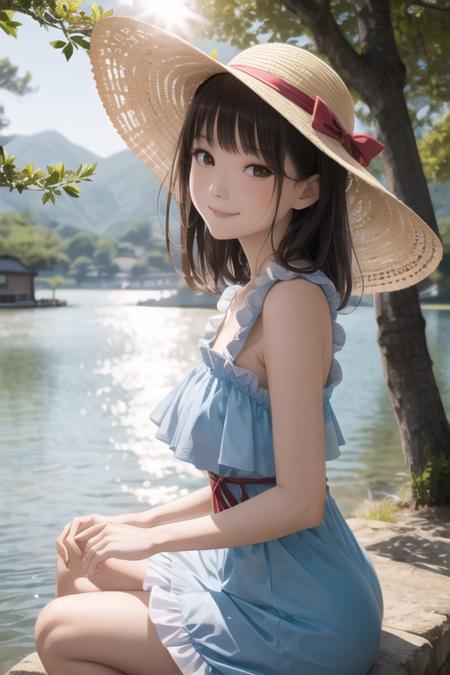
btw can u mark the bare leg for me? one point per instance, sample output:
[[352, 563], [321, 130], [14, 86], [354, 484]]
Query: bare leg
[[60, 626], [82, 668], [101, 633]]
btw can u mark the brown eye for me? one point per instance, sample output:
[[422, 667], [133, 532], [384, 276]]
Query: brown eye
[[198, 152], [259, 167]]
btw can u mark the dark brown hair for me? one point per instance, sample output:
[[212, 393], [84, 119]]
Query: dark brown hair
[[319, 233]]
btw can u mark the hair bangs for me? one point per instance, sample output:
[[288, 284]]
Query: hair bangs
[[240, 115]]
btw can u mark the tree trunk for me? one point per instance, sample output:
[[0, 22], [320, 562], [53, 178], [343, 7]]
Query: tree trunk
[[379, 75]]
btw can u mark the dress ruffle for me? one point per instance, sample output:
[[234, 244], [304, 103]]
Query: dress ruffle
[[165, 614], [253, 302], [221, 405]]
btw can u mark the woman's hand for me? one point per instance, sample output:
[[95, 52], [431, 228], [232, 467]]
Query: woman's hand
[[114, 540], [66, 542]]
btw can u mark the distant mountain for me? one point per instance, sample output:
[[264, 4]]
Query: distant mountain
[[122, 190]]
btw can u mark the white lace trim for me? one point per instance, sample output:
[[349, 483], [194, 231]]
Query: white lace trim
[[165, 614]]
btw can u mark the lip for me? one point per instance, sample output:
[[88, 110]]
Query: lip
[[221, 214]]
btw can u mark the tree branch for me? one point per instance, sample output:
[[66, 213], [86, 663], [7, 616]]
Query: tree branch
[[317, 16], [377, 39]]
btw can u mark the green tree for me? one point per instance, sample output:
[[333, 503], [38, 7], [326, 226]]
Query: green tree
[[37, 246], [395, 59], [150, 262], [54, 283], [125, 248], [434, 150], [157, 262], [81, 244], [80, 267], [140, 269], [137, 233], [106, 250], [76, 28]]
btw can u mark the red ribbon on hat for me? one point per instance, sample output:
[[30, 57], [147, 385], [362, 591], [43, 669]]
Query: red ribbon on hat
[[362, 147]]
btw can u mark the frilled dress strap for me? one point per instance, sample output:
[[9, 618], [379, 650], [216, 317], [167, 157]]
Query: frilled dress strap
[[246, 316]]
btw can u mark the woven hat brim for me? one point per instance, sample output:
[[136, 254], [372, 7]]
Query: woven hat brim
[[146, 78]]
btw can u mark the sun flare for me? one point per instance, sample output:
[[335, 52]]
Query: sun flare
[[172, 15]]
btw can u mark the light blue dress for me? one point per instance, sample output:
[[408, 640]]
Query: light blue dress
[[305, 604]]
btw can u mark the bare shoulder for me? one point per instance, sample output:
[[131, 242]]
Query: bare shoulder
[[292, 301], [297, 327]]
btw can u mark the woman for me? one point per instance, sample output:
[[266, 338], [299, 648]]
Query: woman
[[258, 572]]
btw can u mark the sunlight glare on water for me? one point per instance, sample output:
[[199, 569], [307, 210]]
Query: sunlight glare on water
[[77, 387]]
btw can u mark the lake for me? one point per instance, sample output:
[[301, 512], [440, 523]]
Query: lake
[[77, 385]]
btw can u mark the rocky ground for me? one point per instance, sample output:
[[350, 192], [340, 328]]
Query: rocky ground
[[412, 559]]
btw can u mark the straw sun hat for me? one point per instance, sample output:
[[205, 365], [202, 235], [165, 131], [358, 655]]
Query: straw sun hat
[[147, 76]]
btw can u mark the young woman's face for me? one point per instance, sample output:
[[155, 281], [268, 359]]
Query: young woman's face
[[241, 185]]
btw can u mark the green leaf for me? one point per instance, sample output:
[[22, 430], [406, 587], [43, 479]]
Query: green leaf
[[6, 14], [45, 197], [53, 178], [71, 190], [8, 28], [89, 170], [79, 40], [59, 11], [96, 12], [68, 50], [7, 24], [59, 167], [74, 4], [8, 159], [58, 44]]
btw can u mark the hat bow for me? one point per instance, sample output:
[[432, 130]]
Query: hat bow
[[362, 147]]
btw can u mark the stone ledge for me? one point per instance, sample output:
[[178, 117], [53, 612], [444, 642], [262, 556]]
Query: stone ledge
[[412, 560]]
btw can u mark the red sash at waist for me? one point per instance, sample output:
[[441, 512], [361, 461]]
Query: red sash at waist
[[223, 498]]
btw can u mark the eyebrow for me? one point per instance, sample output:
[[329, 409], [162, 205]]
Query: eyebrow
[[245, 146]]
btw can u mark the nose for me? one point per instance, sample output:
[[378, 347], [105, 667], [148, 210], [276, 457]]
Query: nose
[[217, 189]]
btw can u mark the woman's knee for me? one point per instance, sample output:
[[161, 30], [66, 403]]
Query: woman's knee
[[67, 574], [112, 575], [49, 626]]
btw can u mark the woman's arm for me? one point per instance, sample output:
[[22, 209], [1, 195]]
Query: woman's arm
[[296, 332], [193, 505]]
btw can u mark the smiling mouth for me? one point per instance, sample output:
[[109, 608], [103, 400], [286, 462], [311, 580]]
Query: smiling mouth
[[222, 213]]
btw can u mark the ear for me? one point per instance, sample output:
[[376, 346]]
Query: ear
[[306, 192]]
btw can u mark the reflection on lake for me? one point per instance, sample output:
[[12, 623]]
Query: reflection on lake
[[78, 383]]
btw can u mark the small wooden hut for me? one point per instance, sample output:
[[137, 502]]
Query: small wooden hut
[[16, 282]]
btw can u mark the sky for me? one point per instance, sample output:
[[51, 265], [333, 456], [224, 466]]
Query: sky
[[67, 100]]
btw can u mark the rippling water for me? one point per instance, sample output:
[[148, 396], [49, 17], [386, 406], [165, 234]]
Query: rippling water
[[77, 385]]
